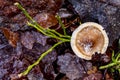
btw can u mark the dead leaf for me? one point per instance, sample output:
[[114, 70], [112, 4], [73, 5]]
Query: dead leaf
[[12, 37]]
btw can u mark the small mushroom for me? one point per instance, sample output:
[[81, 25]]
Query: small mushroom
[[89, 38]]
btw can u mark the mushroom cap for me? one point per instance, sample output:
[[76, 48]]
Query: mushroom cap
[[89, 38]]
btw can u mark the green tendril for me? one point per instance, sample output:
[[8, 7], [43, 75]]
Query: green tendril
[[115, 63], [47, 32], [38, 61], [62, 25]]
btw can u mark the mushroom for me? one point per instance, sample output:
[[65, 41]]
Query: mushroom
[[89, 38]]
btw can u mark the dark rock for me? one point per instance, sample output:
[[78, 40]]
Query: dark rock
[[60, 76], [51, 41], [104, 14], [34, 8], [47, 67], [64, 13], [15, 77], [70, 66], [32, 76], [100, 59], [2, 46], [51, 57], [3, 72], [10, 11], [62, 63], [19, 49], [95, 76], [112, 2], [1, 20], [40, 38], [27, 39], [15, 27]]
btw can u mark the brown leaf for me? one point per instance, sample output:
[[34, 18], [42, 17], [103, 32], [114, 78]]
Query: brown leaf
[[46, 20], [12, 37]]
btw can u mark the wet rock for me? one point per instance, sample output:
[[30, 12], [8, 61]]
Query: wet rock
[[3, 72], [16, 60], [14, 27], [70, 66], [47, 67], [51, 41], [105, 59], [27, 39], [34, 8], [18, 18], [18, 64], [39, 49], [32, 76], [60, 76], [116, 45], [16, 77], [64, 13], [95, 76], [32, 11], [19, 49], [5, 68], [10, 11], [1, 20], [113, 2], [3, 3], [102, 13], [116, 2], [51, 57], [40, 38], [49, 72], [100, 59], [116, 75], [62, 48], [2, 46]]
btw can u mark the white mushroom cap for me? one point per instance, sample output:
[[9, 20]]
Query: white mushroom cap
[[89, 38]]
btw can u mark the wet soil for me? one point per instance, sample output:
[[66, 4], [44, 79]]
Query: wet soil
[[21, 45]]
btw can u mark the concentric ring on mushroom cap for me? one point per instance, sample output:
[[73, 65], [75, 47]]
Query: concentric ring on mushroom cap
[[89, 38]]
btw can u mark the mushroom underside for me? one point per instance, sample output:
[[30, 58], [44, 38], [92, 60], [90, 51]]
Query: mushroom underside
[[90, 40]]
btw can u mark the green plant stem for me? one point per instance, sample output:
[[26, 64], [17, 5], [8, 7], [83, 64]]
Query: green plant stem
[[60, 35], [39, 59], [62, 25], [30, 24], [27, 15], [113, 59], [41, 29], [24, 11], [110, 65], [34, 26], [53, 31], [47, 32], [118, 57], [53, 36]]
